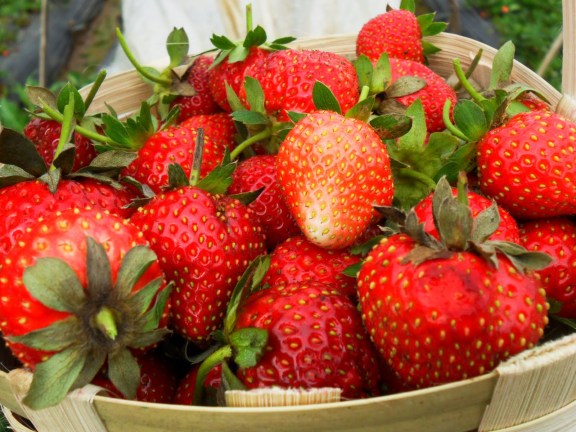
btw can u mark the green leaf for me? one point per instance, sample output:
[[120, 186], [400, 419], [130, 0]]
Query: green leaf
[[250, 117], [124, 372], [134, 264], [283, 40], [364, 71], [56, 337], [247, 198], [98, 271], [177, 177], [39, 96], [296, 116], [434, 29], [429, 48], [324, 99], [382, 75], [142, 299], [153, 317], [10, 175], [222, 42], [405, 85], [255, 38], [94, 362], [502, 65], [233, 99], [254, 95], [112, 160], [218, 180], [408, 5], [238, 54], [54, 284], [390, 126], [16, 149], [362, 110], [53, 378], [229, 380], [64, 160], [470, 119], [64, 97], [486, 223], [352, 270], [177, 45], [249, 344]]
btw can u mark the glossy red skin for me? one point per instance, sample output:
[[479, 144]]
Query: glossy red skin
[[332, 171], [298, 260], [202, 102], [185, 390], [59, 235], [23, 203], [271, 208], [158, 380], [174, 145], [447, 319], [233, 74], [395, 32], [219, 127], [507, 230], [288, 77], [527, 165], [557, 238], [433, 96], [315, 339], [45, 135], [204, 243]]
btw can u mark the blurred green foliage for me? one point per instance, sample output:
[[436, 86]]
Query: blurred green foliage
[[13, 15], [532, 25]]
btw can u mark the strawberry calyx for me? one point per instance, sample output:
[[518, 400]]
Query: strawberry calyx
[[460, 231], [106, 320], [235, 52]]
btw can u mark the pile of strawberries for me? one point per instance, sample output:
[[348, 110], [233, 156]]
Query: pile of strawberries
[[275, 217]]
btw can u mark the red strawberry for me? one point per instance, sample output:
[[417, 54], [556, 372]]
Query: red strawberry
[[557, 238], [185, 390], [204, 243], [315, 339], [158, 380], [23, 203], [442, 312], [433, 95], [232, 73], [175, 145], [288, 77], [260, 172], [333, 170], [298, 260], [507, 229], [94, 264], [219, 127], [533, 102], [202, 101], [527, 165], [45, 135], [395, 32]]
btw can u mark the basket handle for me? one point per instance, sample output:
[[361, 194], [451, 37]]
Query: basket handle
[[567, 105]]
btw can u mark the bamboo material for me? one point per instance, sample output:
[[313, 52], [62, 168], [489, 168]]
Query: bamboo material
[[274, 397]]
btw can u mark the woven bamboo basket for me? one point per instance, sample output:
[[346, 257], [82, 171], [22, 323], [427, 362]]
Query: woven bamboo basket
[[532, 392]]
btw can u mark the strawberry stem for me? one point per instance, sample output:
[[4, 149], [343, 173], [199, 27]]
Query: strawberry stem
[[266, 133], [448, 122], [66, 130], [207, 365], [141, 69], [462, 187], [55, 115], [465, 82], [94, 88], [418, 176], [106, 323], [249, 22]]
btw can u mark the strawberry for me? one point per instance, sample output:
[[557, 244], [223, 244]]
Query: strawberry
[[298, 260], [434, 95], [315, 339], [201, 102], [204, 242], [45, 134], [507, 229], [332, 170], [527, 165], [174, 145], [288, 77], [270, 207], [398, 33], [96, 268], [158, 379], [186, 386], [445, 311], [557, 238], [219, 127]]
